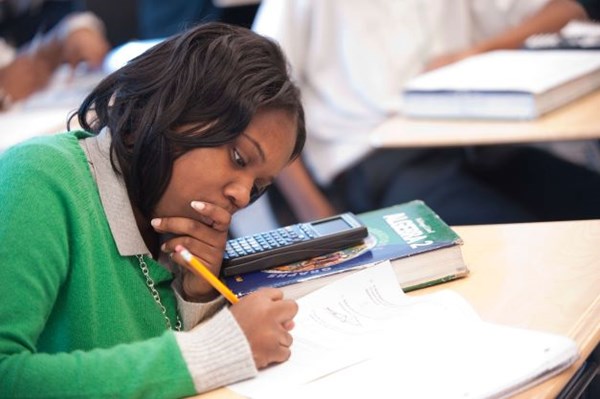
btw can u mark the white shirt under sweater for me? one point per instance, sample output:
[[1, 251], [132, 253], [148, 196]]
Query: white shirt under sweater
[[351, 59]]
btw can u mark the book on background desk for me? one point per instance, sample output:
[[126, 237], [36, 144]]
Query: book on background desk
[[422, 248], [506, 84]]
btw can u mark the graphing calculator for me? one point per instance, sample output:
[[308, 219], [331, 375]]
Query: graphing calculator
[[292, 243]]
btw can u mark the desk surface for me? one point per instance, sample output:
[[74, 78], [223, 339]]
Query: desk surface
[[542, 276], [579, 120]]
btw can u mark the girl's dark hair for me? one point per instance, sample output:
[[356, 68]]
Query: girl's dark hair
[[209, 81]]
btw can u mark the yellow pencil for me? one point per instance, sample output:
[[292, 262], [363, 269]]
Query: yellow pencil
[[206, 274]]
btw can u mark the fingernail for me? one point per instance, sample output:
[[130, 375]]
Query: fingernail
[[198, 205], [163, 247], [155, 222]]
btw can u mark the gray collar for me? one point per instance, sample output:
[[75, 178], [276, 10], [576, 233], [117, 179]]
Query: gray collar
[[113, 195]]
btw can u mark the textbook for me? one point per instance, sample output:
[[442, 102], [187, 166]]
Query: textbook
[[422, 248], [504, 84]]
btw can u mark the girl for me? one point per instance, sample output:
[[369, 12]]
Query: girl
[[92, 300]]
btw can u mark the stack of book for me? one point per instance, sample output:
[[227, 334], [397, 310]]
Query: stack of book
[[422, 248]]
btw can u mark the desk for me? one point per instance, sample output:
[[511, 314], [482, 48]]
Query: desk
[[543, 276], [579, 120]]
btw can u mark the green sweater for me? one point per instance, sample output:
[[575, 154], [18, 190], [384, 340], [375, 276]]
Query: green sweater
[[76, 318]]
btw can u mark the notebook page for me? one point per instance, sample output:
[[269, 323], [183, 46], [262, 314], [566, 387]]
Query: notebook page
[[426, 346]]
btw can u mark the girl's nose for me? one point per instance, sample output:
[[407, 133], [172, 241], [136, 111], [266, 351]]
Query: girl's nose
[[238, 193]]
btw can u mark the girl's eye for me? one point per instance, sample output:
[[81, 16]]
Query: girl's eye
[[237, 158]]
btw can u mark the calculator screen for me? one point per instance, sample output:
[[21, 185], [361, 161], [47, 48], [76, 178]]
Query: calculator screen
[[331, 226]]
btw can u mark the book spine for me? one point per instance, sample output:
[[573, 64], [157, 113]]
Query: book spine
[[470, 104]]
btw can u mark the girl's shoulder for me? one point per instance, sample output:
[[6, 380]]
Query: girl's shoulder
[[57, 151]]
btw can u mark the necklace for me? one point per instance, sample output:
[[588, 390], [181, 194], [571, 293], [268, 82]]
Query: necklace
[[156, 295]]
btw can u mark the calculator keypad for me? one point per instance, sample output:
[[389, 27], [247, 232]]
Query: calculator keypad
[[257, 243]]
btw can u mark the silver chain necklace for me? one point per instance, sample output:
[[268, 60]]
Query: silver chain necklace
[[156, 295]]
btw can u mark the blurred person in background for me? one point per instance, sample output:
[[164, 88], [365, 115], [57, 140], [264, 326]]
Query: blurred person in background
[[27, 63], [351, 60]]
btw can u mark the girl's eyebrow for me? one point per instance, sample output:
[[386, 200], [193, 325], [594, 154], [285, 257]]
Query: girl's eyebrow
[[257, 145], [261, 154]]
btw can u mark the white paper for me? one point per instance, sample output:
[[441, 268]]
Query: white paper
[[330, 332], [362, 337]]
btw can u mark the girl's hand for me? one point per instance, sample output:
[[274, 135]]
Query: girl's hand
[[266, 318], [205, 237]]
